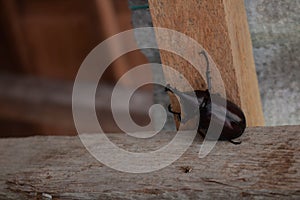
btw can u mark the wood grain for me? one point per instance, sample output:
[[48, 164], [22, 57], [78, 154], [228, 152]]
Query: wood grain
[[221, 27], [265, 166]]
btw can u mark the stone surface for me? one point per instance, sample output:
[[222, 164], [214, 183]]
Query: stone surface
[[275, 31]]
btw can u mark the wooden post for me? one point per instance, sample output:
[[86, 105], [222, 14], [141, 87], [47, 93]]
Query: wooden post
[[264, 166], [221, 27], [15, 29], [110, 26]]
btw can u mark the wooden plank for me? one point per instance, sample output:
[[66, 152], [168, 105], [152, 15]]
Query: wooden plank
[[113, 21], [48, 103], [221, 27], [110, 25], [264, 166]]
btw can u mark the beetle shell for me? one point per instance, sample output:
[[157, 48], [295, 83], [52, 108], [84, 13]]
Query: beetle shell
[[235, 121]]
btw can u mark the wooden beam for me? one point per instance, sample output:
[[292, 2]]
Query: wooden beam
[[48, 103], [221, 27], [264, 166], [110, 26]]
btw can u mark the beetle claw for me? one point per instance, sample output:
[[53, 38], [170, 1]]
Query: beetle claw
[[178, 114], [235, 142], [167, 88], [171, 111]]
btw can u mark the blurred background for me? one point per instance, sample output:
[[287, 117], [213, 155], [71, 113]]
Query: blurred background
[[43, 43]]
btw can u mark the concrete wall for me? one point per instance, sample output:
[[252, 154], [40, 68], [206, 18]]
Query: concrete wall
[[275, 31]]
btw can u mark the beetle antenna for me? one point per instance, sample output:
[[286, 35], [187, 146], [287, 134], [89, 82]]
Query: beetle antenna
[[208, 77]]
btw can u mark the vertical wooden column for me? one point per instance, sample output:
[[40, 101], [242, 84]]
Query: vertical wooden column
[[15, 29], [221, 27], [110, 25]]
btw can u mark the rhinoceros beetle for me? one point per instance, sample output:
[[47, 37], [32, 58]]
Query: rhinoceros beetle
[[235, 122]]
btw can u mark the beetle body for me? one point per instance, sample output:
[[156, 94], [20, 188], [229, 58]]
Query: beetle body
[[234, 124]]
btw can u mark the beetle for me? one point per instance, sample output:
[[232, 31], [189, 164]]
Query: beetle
[[235, 121]]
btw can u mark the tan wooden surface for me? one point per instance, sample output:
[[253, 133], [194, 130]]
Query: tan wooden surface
[[221, 27], [265, 166]]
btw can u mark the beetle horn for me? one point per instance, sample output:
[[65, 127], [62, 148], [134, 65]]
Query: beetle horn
[[168, 88]]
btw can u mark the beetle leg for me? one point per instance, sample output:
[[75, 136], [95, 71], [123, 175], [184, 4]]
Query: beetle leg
[[167, 88], [171, 111], [203, 103], [235, 142], [175, 113], [184, 120]]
